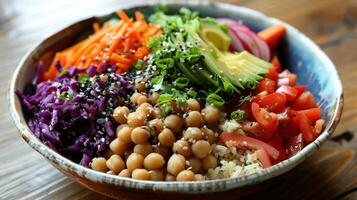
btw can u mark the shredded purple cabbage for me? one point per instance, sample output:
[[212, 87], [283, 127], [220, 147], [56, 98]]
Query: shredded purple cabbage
[[72, 114]]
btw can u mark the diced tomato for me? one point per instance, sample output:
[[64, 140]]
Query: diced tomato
[[292, 79], [277, 143], [284, 73], [263, 157], [304, 101], [283, 81], [305, 127], [318, 127], [265, 85], [274, 102], [269, 121], [300, 89], [275, 61], [234, 139], [313, 114], [272, 74], [253, 129], [246, 107], [295, 145], [290, 92], [287, 78], [288, 129]]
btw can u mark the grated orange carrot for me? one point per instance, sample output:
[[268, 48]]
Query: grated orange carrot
[[121, 44]]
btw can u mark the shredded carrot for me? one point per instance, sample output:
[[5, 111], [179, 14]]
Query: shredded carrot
[[121, 44], [139, 16], [120, 59], [273, 34], [96, 27], [122, 15]]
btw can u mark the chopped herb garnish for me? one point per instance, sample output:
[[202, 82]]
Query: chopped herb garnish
[[215, 100], [83, 78], [238, 115]]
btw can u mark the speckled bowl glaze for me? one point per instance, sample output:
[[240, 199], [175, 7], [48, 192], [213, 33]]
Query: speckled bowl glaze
[[298, 52]]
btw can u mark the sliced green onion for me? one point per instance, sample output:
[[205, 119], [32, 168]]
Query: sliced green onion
[[181, 82], [238, 115], [192, 93], [215, 100]]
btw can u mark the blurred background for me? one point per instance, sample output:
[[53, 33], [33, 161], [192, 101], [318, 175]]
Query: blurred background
[[332, 24]]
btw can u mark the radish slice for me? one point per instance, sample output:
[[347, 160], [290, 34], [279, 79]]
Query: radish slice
[[236, 44], [244, 38], [247, 40]]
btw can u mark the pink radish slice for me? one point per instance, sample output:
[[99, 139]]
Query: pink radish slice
[[261, 44], [236, 44], [246, 39], [243, 38], [264, 48]]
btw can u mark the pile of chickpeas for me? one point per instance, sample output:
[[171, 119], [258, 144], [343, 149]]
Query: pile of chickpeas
[[149, 146]]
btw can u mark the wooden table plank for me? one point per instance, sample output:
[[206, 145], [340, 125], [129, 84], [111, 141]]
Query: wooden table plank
[[330, 23]]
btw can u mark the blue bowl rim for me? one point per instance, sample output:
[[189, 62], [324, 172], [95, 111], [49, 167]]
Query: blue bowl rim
[[180, 187]]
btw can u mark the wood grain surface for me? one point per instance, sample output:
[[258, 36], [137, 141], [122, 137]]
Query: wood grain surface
[[331, 173]]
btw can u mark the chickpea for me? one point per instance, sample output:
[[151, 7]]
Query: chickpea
[[134, 97], [157, 175], [164, 151], [140, 174], [142, 99], [134, 161], [209, 135], [193, 119], [139, 135], [125, 173], [200, 149], [166, 138], [136, 119], [145, 108], [156, 113], [193, 104], [143, 149], [119, 147], [182, 147], [121, 126], [154, 161], [211, 115], [99, 164], [193, 134], [209, 162], [115, 163], [176, 164], [185, 175], [170, 177], [194, 164], [124, 134], [174, 123], [120, 114], [199, 177], [153, 97], [156, 125], [140, 86]]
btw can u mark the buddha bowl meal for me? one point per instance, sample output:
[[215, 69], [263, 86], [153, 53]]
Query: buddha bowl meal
[[172, 97]]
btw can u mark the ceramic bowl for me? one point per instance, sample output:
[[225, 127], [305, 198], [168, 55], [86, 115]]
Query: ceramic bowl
[[298, 53]]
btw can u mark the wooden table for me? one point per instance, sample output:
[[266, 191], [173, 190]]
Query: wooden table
[[329, 174]]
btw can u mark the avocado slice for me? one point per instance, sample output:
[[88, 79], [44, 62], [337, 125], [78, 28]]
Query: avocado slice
[[242, 69], [210, 32]]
